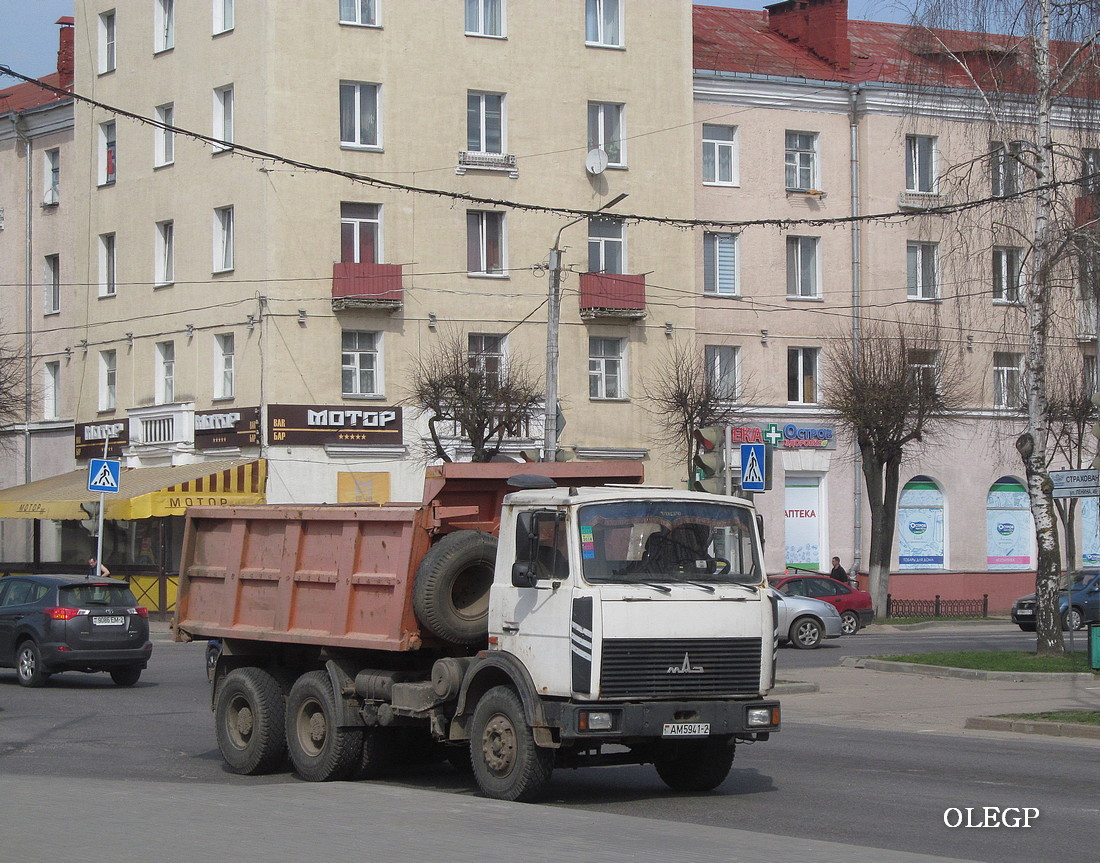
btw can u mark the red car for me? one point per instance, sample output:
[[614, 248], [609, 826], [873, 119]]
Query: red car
[[855, 606]]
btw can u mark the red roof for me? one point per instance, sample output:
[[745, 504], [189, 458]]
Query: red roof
[[24, 96]]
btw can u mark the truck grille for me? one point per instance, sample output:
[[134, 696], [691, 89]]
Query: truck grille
[[680, 667]]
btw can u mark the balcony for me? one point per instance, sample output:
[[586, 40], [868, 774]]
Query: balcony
[[478, 161], [611, 296], [366, 286], [920, 200]]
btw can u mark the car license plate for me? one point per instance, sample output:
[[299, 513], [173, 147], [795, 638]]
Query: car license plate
[[686, 729], [108, 621], [1024, 612]]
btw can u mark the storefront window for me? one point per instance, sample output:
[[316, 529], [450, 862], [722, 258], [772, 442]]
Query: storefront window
[[1008, 526], [921, 525]]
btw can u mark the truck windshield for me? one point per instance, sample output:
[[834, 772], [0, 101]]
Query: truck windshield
[[668, 541]]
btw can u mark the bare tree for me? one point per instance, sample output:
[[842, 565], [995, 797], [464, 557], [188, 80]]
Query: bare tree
[[889, 389], [13, 392], [685, 395], [470, 392], [1030, 69]]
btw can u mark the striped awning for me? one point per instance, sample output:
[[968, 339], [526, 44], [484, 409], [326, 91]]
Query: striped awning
[[143, 492]]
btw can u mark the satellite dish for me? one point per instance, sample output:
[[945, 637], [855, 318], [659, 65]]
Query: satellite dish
[[596, 161]]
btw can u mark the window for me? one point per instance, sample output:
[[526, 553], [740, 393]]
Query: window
[[802, 376], [606, 245], [51, 180], [223, 16], [603, 23], [922, 371], [485, 122], [485, 354], [107, 380], [484, 17], [223, 117], [921, 278], [165, 372], [164, 269], [1090, 170], [605, 368], [51, 301], [164, 141], [359, 233], [720, 155], [720, 264], [605, 131], [108, 285], [1008, 391], [164, 25], [720, 369], [223, 239], [361, 12], [1005, 167], [801, 161], [484, 243], [107, 42], [359, 115], [107, 154], [223, 365], [1007, 266], [360, 363], [51, 390], [921, 525], [802, 267], [920, 163]]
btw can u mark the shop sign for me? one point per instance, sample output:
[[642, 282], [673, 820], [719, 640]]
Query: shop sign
[[317, 425], [785, 436], [90, 438], [231, 427]]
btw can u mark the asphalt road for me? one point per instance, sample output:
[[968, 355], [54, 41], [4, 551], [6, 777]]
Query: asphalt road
[[80, 759]]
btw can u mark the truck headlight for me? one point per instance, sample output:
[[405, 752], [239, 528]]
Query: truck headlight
[[595, 720], [763, 717]]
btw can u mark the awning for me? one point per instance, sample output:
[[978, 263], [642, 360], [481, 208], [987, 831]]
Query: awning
[[143, 492]]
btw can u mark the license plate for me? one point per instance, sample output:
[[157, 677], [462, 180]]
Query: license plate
[[686, 729], [1024, 612], [108, 621]]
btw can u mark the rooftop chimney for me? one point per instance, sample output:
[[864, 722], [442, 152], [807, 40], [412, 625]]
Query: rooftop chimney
[[820, 26], [65, 53]]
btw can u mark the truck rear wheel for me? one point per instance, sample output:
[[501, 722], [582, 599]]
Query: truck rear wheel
[[379, 754], [507, 763], [451, 588], [696, 765], [248, 718], [319, 750]]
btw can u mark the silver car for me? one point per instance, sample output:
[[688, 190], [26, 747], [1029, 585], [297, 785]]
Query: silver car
[[805, 622]]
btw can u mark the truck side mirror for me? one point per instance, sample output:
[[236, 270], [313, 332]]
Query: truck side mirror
[[524, 574]]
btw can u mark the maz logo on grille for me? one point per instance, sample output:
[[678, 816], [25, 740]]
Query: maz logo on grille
[[685, 668]]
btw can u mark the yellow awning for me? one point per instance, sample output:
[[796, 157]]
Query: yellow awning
[[143, 492]]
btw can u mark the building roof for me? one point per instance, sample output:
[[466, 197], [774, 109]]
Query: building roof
[[25, 96]]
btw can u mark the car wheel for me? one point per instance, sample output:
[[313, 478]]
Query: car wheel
[[213, 651], [126, 676], [1072, 618], [28, 665], [849, 623], [1027, 627], [806, 633], [248, 720]]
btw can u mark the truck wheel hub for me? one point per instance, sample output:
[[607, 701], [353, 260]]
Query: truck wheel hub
[[500, 745]]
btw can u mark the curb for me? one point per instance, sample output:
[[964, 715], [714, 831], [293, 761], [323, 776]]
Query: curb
[[788, 687], [962, 673], [1031, 726]]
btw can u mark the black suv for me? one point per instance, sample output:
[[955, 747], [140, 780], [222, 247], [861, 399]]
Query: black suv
[[54, 623]]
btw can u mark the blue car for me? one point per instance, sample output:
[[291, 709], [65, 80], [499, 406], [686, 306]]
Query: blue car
[[1079, 603]]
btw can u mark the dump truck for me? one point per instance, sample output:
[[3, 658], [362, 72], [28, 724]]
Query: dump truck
[[520, 618]]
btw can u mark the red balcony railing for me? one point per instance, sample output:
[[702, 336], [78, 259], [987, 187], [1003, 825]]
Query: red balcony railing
[[612, 295], [358, 286]]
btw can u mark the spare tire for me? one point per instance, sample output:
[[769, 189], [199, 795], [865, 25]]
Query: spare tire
[[451, 587]]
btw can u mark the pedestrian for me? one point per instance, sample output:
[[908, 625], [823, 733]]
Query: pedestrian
[[96, 571], [838, 572]]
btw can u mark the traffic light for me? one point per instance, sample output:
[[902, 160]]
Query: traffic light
[[1095, 429], [709, 465]]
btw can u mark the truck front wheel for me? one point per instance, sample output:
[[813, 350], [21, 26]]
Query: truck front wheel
[[319, 750], [248, 717], [507, 763], [696, 765]]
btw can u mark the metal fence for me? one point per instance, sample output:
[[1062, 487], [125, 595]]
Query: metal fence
[[937, 607]]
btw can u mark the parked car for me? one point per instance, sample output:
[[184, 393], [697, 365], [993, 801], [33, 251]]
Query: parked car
[[55, 623], [1078, 604], [805, 622], [855, 606]]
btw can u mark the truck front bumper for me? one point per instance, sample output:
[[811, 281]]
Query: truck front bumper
[[752, 720]]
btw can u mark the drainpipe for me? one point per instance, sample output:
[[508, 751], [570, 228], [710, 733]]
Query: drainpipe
[[853, 126], [19, 127]]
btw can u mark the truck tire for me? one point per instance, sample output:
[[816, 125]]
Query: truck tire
[[379, 753], [695, 765], [507, 763], [451, 587], [248, 720], [319, 750]]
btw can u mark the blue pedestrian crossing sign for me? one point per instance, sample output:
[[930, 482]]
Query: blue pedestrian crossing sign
[[103, 474], [753, 467]]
